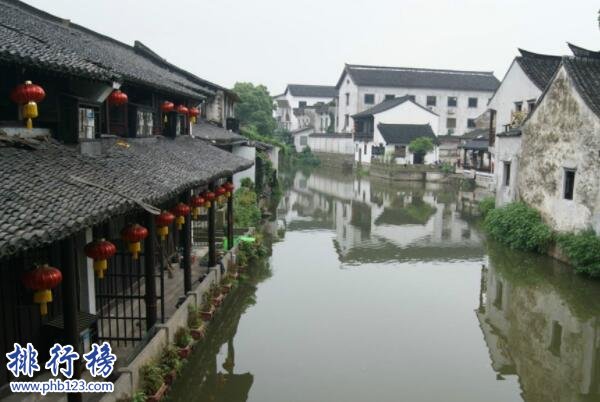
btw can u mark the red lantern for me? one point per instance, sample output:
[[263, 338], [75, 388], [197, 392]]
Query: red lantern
[[42, 280], [162, 223], [181, 210], [100, 251], [133, 235], [28, 94], [209, 197], [197, 203], [229, 187], [182, 109], [220, 193], [193, 113], [167, 107], [117, 98]]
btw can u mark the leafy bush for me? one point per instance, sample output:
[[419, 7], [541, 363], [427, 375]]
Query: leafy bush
[[152, 378], [306, 158], [193, 320], [420, 145], [447, 168], [486, 205], [518, 226], [583, 251], [182, 337], [169, 360], [246, 212], [247, 183]]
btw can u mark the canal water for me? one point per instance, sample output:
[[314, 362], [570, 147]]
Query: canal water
[[381, 291]]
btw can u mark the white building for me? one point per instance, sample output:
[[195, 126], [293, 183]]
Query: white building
[[457, 97], [516, 97], [300, 137], [291, 104], [385, 130]]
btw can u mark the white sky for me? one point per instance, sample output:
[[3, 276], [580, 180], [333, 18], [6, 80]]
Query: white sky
[[275, 42]]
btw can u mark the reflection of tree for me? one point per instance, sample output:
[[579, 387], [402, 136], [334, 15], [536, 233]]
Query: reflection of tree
[[416, 212], [542, 323], [201, 379]]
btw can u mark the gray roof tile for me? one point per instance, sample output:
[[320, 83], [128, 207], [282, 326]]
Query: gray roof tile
[[404, 133], [312, 91], [540, 68]]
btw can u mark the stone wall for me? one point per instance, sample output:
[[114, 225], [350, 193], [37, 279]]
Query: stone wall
[[562, 134]]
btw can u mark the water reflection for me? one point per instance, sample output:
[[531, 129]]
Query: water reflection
[[541, 323], [376, 221]]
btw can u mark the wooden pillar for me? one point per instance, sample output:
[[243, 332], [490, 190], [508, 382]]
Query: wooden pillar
[[230, 219], [212, 241], [149, 271], [70, 306], [186, 245]]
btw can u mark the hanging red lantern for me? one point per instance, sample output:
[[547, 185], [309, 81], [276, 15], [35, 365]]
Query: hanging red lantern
[[42, 280], [220, 193], [117, 98], [133, 235], [209, 197], [193, 113], [229, 187], [167, 107], [182, 109], [100, 251], [181, 210], [162, 223], [197, 203], [28, 95]]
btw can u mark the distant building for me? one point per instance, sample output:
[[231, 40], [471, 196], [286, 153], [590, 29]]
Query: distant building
[[300, 137], [457, 97], [384, 131], [292, 103]]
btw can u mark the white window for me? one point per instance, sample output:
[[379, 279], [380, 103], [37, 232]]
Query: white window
[[304, 140], [145, 123], [87, 123]]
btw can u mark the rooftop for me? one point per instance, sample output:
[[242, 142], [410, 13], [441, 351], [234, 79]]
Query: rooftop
[[312, 91], [585, 73], [540, 68], [218, 135], [387, 105], [404, 133], [405, 77]]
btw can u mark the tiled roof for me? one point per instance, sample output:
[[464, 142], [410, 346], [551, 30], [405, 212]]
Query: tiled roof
[[540, 68], [43, 198], [404, 133], [581, 52], [388, 104], [29, 36], [330, 135], [477, 144], [216, 134], [403, 77], [312, 91], [585, 73]]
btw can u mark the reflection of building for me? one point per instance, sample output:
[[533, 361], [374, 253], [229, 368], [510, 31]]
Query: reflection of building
[[533, 328], [376, 222]]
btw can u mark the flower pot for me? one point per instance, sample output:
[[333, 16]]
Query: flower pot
[[197, 333], [185, 352], [159, 394], [226, 288], [208, 315], [217, 300], [170, 377]]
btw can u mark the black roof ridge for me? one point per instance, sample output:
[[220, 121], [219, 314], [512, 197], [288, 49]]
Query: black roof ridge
[[380, 107], [424, 69], [527, 53], [579, 51], [402, 124], [312, 85]]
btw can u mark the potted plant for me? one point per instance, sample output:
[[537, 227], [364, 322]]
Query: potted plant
[[183, 341], [152, 382], [207, 310], [195, 323], [226, 285], [170, 364], [216, 296]]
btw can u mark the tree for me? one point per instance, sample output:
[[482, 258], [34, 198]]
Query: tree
[[255, 107], [420, 146]]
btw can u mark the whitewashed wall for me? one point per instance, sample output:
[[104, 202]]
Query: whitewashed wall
[[247, 152], [508, 149], [332, 145]]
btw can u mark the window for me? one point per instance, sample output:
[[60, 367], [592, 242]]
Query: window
[[431, 101], [302, 104], [530, 106], [144, 124], [569, 185], [304, 140], [369, 99], [346, 121], [347, 99], [507, 174], [87, 123], [472, 102], [411, 97], [518, 106], [365, 150], [400, 151], [452, 101], [389, 97], [471, 123], [451, 122]]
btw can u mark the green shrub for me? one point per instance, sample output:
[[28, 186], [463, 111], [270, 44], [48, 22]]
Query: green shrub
[[193, 320], [583, 251], [447, 168], [246, 212], [169, 360], [152, 378], [486, 205], [518, 226], [182, 337]]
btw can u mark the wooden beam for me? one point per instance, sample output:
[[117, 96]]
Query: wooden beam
[[149, 271], [230, 218], [212, 238], [186, 245]]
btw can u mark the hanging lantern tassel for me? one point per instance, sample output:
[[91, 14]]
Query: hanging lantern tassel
[[162, 223], [42, 280], [220, 191], [209, 197], [133, 236], [197, 204], [229, 187], [167, 107], [30, 111], [28, 95], [100, 251], [181, 210]]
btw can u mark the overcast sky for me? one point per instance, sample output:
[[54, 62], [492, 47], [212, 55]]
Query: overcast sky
[[275, 42]]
